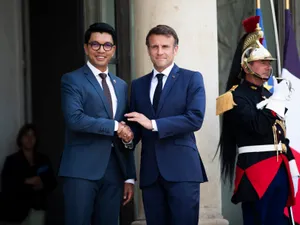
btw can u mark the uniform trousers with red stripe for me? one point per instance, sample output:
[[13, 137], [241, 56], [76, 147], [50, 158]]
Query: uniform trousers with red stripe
[[269, 209]]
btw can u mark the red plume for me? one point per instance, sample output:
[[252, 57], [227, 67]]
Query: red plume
[[250, 23]]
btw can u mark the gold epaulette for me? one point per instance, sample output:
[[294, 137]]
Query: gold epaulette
[[225, 101]]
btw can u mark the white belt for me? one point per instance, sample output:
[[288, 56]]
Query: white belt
[[259, 148]]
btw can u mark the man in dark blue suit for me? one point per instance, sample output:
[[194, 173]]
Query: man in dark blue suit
[[95, 163], [168, 106]]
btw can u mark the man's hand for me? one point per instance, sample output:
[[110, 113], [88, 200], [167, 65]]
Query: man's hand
[[35, 181], [141, 119], [282, 90], [124, 132], [128, 193]]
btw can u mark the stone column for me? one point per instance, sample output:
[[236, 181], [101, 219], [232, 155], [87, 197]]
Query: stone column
[[12, 76], [195, 22]]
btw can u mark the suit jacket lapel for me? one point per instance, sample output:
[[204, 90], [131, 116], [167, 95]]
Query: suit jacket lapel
[[92, 79], [168, 86]]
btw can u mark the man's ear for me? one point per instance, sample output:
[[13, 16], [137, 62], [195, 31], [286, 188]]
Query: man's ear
[[246, 70], [176, 50]]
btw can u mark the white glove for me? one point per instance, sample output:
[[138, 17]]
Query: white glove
[[277, 106], [262, 104], [282, 93], [295, 183], [282, 90]]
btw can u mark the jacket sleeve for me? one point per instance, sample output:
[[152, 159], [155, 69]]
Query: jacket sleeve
[[135, 127], [248, 117], [131, 171], [75, 117], [192, 119]]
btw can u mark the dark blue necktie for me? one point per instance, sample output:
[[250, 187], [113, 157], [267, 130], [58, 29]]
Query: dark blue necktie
[[158, 90]]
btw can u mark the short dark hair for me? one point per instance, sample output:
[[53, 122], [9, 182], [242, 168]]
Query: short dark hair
[[162, 30], [100, 27], [23, 131]]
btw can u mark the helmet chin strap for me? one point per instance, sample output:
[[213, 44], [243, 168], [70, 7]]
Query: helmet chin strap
[[256, 74]]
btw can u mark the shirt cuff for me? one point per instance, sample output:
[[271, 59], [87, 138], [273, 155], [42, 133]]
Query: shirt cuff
[[154, 125], [116, 125], [129, 181]]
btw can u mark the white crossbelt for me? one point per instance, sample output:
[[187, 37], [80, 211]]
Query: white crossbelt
[[259, 148]]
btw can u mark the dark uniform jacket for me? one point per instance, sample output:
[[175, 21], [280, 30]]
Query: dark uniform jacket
[[251, 126]]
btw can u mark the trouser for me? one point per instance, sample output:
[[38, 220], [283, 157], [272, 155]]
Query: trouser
[[269, 209], [94, 202], [171, 203]]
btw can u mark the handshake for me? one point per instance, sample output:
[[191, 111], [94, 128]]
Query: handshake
[[124, 132]]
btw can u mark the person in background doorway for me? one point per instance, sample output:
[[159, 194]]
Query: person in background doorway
[[27, 179]]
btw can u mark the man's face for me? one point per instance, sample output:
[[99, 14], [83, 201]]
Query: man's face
[[101, 57], [262, 67], [162, 51]]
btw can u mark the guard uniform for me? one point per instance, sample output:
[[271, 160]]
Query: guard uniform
[[253, 140]]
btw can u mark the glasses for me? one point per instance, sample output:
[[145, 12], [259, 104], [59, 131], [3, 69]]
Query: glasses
[[107, 46]]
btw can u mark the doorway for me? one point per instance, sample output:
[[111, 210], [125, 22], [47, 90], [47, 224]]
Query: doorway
[[54, 37]]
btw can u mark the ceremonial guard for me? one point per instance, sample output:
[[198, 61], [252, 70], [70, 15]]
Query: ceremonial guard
[[253, 140]]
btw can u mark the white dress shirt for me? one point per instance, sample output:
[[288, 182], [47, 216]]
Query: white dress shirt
[[114, 99], [166, 72]]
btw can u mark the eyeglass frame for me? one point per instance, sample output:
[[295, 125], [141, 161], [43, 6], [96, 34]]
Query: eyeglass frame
[[96, 42]]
